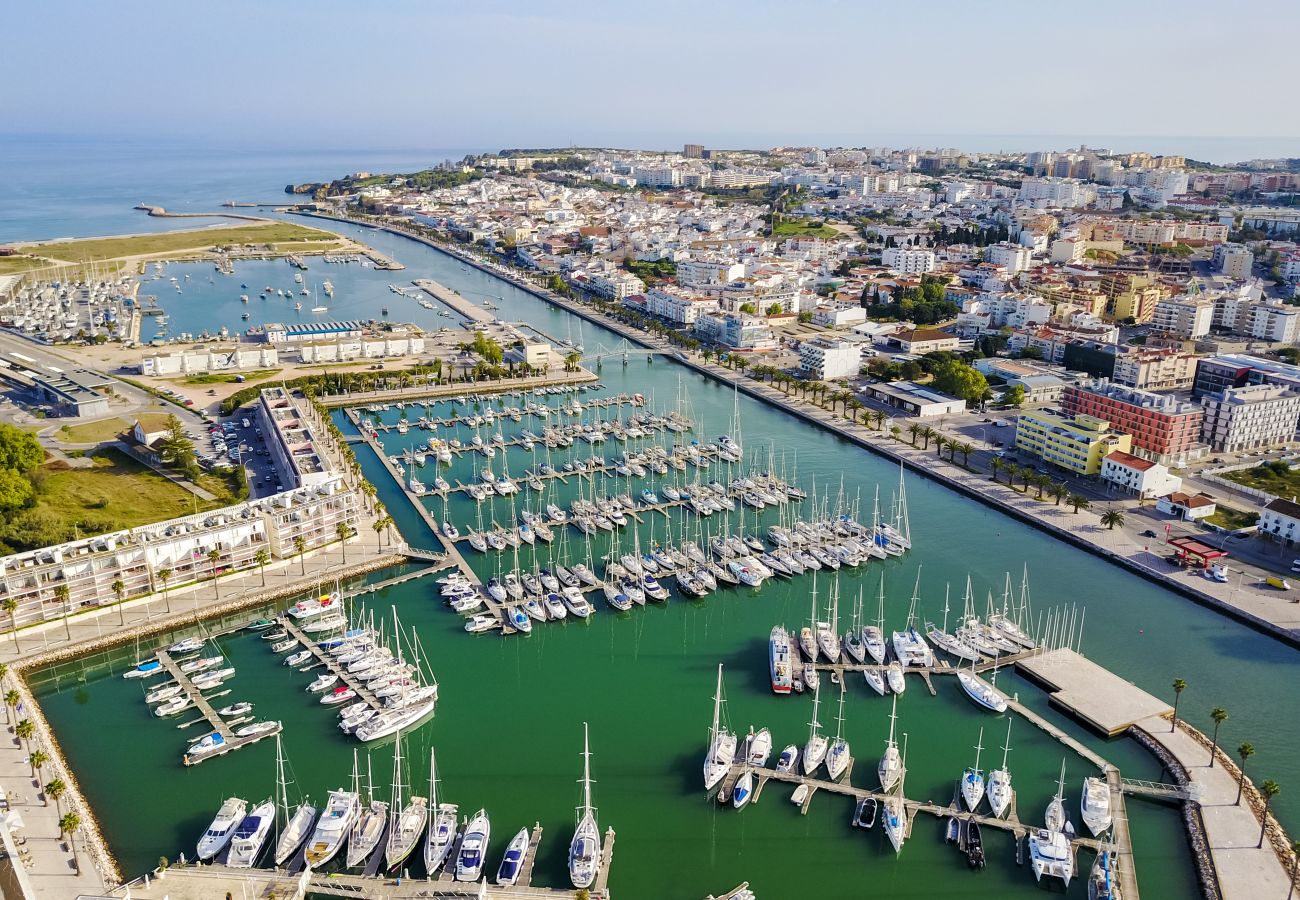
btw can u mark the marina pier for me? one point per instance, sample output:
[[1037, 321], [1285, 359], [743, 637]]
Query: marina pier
[[445, 295]]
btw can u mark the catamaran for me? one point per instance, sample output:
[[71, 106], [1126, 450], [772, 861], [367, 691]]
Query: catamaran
[[298, 823], [891, 768], [218, 834], [584, 849], [250, 835], [1049, 854], [722, 744], [1094, 805], [972, 780], [838, 756], [473, 847], [406, 822], [999, 787], [442, 831], [814, 751], [778, 654]]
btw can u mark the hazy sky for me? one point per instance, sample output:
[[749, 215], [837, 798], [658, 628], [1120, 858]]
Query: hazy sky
[[493, 73]]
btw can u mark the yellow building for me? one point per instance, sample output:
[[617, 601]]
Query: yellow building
[[1078, 444]]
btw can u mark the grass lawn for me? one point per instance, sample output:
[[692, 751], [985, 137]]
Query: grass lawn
[[93, 432], [802, 228], [12, 265], [1276, 478], [118, 493], [170, 242], [1232, 519], [231, 377]]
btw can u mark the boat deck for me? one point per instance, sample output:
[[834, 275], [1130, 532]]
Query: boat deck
[[218, 724]]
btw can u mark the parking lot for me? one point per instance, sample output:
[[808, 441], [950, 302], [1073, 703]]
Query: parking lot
[[238, 440]]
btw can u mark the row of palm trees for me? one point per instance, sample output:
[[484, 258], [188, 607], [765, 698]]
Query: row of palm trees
[[37, 758], [1268, 789]]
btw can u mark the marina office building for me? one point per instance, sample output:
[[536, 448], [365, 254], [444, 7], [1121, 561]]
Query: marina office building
[[316, 501]]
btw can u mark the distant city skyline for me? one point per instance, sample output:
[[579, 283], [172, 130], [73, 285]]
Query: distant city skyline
[[656, 75]]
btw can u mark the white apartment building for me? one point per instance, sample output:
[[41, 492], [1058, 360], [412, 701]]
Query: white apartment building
[[678, 306], [361, 348], [908, 260], [1063, 192], [1009, 310], [1246, 418], [828, 358], [1012, 257], [1273, 321], [839, 315], [1138, 476], [1186, 316], [1237, 262], [704, 273], [300, 461], [617, 285], [663, 176], [1280, 519], [1155, 369]]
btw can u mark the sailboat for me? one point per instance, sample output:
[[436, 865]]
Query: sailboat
[[815, 750], [1055, 817], [894, 815], [972, 780], [442, 831], [890, 768], [909, 647], [828, 640], [980, 691], [297, 825], [999, 788], [584, 849], [948, 642], [838, 757], [407, 822], [722, 744], [1049, 854], [873, 636], [808, 634], [370, 824]]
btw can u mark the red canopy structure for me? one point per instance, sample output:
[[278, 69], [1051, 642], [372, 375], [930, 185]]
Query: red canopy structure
[[1190, 551]]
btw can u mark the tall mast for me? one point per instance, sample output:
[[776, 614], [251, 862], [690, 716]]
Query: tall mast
[[433, 781], [979, 746], [814, 724], [356, 774], [717, 707], [1007, 746], [281, 788], [880, 613], [395, 805], [893, 718], [586, 772], [839, 717]]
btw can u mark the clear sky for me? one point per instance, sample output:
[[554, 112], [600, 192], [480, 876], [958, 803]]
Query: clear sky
[[653, 73]]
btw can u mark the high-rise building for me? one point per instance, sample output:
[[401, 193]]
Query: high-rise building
[[1250, 417], [1162, 427], [693, 151]]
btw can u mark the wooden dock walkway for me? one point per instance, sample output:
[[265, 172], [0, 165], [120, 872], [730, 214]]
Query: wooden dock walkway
[[530, 856], [215, 722], [1037, 720], [330, 663]]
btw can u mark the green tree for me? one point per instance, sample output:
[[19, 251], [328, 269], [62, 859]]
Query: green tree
[[119, 591], [344, 531], [262, 557], [965, 448], [1059, 492], [54, 790], [1218, 714], [19, 449], [37, 760], [749, 308], [165, 575], [16, 491], [300, 547], [24, 730], [940, 444], [1078, 501], [1179, 686], [12, 699], [214, 557], [927, 435], [996, 465], [64, 595], [1112, 517], [914, 430], [69, 822], [960, 380], [1015, 396], [1269, 789], [11, 607], [1245, 750], [571, 361]]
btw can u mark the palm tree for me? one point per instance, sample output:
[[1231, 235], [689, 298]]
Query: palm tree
[[379, 527], [1269, 789], [11, 607], [344, 531], [965, 448], [214, 557], [1013, 471], [165, 575], [54, 790], [1041, 481], [997, 465], [1218, 714], [1245, 751], [1295, 864], [24, 730], [300, 545], [1078, 501], [1179, 687], [69, 822], [914, 429], [63, 594], [1112, 517], [12, 699], [1059, 492], [119, 591], [927, 435], [879, 417], [262, 557], [37, 759], [940, 444]]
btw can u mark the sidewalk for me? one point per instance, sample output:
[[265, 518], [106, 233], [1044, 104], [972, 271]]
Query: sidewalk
[[1231, 830]]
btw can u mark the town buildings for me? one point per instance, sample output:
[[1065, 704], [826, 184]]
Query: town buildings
[[828, 358], [1250, 417], [1077, 444], [1140, 477], [1161, 427]]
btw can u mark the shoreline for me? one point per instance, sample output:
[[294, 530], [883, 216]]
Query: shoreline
[[754, 390]]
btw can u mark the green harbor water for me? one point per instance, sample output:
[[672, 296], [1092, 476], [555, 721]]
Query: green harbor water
[[508, 727]]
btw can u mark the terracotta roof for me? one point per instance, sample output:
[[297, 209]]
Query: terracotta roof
[[1129, 460]]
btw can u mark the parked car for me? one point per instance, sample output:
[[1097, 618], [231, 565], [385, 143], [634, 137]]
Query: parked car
[[1149, 533]]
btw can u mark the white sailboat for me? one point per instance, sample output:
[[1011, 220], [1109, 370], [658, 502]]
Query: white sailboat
[[972, 780], [815, 750], [890, 768], [297, 825], [584, 849], [873, 636], [370, 824], [999, 787], [406, 822], [894, 815], [838, 756], [722, 744], [1055, 817], [442, 830], [828, 639], [981, 692]]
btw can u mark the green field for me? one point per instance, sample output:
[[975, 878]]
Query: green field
[[93, 432], [1276, 478], [12, 265], [1232, 519], [798, 228], [173, 242], [230, 377]]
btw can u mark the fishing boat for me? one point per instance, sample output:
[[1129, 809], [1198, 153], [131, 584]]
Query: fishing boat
[[1094, 805], [298, 824], [974, 845], [838, 756], [370, 822], [584, 848], [864, 816], [814, 751], [250, 836], [406, 822], [473, 847], [341, 811], [972, 779], [890, 768], [442, 828], [219, 833], [512, 861], [999, 785], [1049, 855], [722, 743]]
